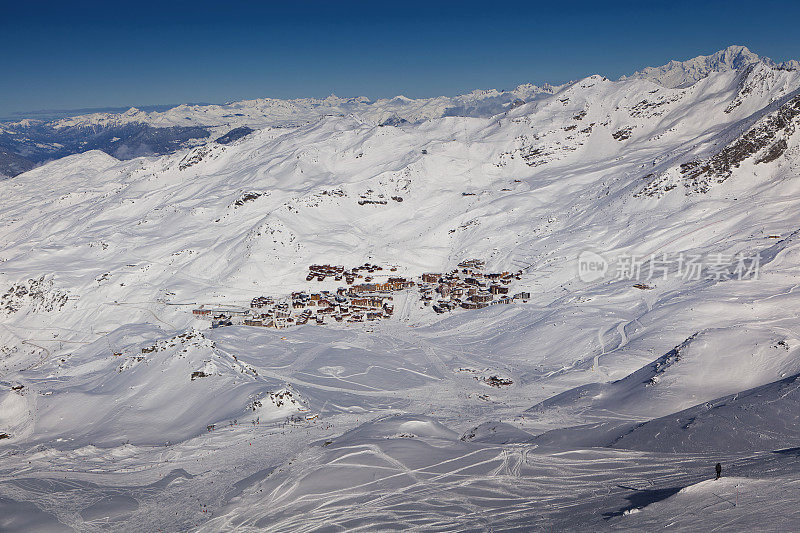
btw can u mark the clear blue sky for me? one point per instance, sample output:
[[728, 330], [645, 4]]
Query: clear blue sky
[[62, 55]]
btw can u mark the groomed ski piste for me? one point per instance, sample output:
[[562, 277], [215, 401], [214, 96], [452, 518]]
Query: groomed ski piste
[[616, 394]]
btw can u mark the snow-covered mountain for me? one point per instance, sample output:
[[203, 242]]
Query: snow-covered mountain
[[275, 112], [135, 133], [677, 74], [554, 410]]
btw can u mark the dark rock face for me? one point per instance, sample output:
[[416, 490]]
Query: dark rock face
[[235, 134], [38, 293], [247, 197], [700, 175], [394, 121], [623, 134], [765, 141], [774, 152]]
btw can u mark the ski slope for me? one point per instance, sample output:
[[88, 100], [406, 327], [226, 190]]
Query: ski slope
[[122, 410]]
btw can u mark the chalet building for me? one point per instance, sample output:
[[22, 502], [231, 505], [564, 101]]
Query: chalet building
[[498, 289], [261, 302], [475, 264], [201, 312], [431, 278], [481, 297], [323, 271], [220, 321], [364, 287], [304, 317]]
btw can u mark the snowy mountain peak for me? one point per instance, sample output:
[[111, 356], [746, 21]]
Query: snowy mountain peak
[[732, 57], [680, 74]]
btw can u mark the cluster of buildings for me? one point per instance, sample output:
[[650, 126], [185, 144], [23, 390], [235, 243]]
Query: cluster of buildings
[[366, 298], [339, 273], [468, 287], [345, 305]]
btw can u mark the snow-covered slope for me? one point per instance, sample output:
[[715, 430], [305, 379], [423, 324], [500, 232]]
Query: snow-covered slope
[[764, 417], [104, 367]]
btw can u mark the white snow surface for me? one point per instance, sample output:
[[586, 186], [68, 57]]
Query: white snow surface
[[264, 112], [121, 411]]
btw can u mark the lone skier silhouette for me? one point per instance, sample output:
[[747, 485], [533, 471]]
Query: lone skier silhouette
[[718, 468]]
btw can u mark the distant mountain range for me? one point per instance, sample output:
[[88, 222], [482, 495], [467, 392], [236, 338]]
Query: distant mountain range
[[55, 114], [159, 130]]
